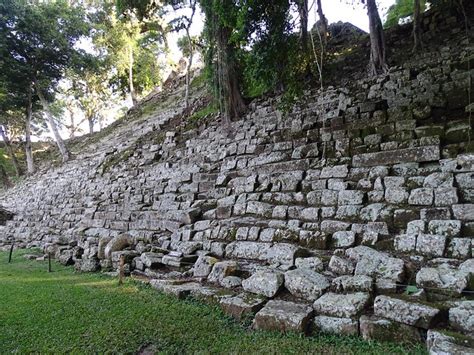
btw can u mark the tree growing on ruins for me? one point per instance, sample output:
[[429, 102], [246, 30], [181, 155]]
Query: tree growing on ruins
[[43, 49]]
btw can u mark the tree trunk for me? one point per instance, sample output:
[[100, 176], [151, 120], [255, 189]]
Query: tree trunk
[[73, 123], [188, 69], [59, 141], [90, 120], [130, 76], [28, 151], [417, 44], [303, 12], [11, 152], [323, 23], [191, 53], [4, 179], [378, 63], [234, 104]]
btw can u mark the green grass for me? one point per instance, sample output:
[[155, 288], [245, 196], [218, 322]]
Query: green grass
[[64, 311]]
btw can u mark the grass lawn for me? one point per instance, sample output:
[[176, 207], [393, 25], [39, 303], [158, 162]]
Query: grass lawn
[[64, 311]]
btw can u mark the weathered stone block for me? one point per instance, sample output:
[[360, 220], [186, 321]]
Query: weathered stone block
[[431, 245], [266, 283], [283, 316], [464, 212], [341, 266], [203, 266], [313, 263], [242, 306], [344, 306], [335, 325], [418, 154], [343, 239], [405, 312], [305, 283], [350, 197], [375, 328], [421, 197], [461, 317], [449, 228]]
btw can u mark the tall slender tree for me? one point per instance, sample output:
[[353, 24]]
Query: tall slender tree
[[43, 48], [378, 63]]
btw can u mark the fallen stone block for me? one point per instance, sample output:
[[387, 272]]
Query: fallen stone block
[[376, 328], [461, 317], [357, 283], [204, 265], [343, 306], [410, 313], [242, 306], [266, 283], [443, 279], [222, 269], [335, 325], [305, 283], [439, 343], [283, 316], [176, 288]]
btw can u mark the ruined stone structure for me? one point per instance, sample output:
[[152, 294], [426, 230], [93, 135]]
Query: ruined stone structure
[[352, 214]]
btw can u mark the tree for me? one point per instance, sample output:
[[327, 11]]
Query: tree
[[323, 23], [417, 43], [44, 48], [188, 47], [221, 18], [134, 40], [302, 6], [378, 62]]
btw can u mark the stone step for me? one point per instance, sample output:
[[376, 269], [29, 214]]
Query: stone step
[[284, 316]]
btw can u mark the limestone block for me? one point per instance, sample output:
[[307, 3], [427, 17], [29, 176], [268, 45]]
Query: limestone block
[[431, 245], [335, 325], [283, 316], [242, 305], [449, 228], [344, 306], [376, 328], [266, 283], [461, 317], [405, 312], [313, 263], [305, 283], [357, 283], [341, 266], [222, 269], [421, 197], [203, 266], [343, 239]]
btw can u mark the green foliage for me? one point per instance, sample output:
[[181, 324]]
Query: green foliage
[[127, 42], [400, 10], [63, 312]]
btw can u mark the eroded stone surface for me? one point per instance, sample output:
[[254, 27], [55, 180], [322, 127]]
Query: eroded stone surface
[[305, 283], [283, 316], [405, 312], [266, 283], [344, 306]]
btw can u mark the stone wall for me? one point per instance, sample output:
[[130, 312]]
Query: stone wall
[[353, 213]]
